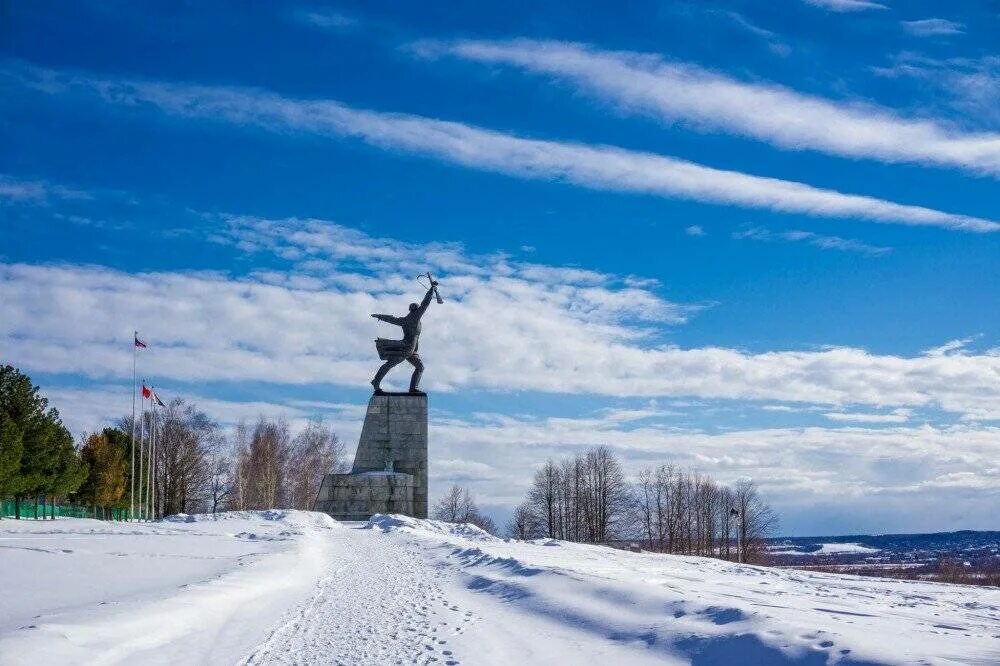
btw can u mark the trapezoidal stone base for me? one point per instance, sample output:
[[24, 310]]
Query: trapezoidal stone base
[[390, 467]]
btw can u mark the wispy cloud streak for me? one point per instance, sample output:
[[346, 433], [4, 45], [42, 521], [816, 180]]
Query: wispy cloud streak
[[932, 27], [842, 6], [591, 166], [812, 238], [783, 117], [19, 190]]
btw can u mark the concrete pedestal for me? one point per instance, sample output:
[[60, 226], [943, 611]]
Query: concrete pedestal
[[359, 496], [390, 467]]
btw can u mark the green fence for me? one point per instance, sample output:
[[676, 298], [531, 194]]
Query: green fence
[[60, 511]]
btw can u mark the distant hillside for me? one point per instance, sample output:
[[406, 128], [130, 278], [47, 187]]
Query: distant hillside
[[965, 556]]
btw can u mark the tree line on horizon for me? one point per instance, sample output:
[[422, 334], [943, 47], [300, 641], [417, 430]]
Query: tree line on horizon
[[588, 498]]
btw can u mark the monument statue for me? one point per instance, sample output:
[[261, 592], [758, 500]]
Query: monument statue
[[394, 352], [390, 470]]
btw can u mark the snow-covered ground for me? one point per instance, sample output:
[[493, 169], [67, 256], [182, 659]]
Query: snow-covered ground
[[299, 588], [831, 549]]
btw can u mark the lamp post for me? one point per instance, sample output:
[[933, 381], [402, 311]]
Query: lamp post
[[734, 513]]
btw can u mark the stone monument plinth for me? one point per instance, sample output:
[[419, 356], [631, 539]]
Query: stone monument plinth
[[390, 467]]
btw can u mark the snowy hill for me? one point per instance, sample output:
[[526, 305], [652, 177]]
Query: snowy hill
[[298, 587]]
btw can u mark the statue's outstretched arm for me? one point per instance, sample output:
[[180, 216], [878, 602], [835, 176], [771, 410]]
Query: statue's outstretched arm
[[389, 319]]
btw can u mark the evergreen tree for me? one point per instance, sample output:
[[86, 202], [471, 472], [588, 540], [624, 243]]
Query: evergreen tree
[[46, 445], [44, 436], [70, 471], [10, 457], [21, 406]]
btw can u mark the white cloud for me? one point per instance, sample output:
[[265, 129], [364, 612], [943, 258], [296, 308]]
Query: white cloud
[[596, 167], [328, 20], [504, 326], [17, 190], [933, 26], [694, 230], [949, 347], [677, 92], [845, 5], [818, 240], [901, 415]]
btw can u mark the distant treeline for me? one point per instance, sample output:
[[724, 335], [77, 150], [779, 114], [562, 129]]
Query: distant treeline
[[197, 468], [588, 498]]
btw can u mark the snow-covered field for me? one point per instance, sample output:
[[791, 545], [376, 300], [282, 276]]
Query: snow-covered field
[[831, 549], [297, 587]]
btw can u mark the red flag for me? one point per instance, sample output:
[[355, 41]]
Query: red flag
[[146, 392], [139, 344], [157, 400]]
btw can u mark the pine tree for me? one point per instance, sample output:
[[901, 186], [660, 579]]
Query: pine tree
[[21, 405], [70, 471], [44, 437], [46, 461], [10, 457]]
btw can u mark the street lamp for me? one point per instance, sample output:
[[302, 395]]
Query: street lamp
[[734, 513]]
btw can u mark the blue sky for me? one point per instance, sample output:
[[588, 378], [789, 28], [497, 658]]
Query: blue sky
[[756, 239]]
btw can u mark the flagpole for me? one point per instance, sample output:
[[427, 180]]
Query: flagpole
[[142, 445], [152, 461], [131, 513]]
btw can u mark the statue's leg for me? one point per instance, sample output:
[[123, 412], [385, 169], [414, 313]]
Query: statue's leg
[[418, 371], [386, 367]]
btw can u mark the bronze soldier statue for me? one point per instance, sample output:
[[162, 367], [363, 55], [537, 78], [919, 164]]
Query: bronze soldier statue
[[394, 352]]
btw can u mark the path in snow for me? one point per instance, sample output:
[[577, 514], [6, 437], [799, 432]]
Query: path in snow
[[376, 603]]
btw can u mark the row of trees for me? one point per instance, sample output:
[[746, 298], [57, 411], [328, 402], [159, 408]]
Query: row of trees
[[689, 513], [271, 469], [197, 468], [588, 498]]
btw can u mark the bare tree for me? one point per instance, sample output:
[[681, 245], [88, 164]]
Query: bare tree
[[241, 482], [755, 521], [186, 439], [221, 485], [458, 506], [585, 498], [524, 524], [455, 506], [543, 498], [607, 496], [315, 452], [262, 458]]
